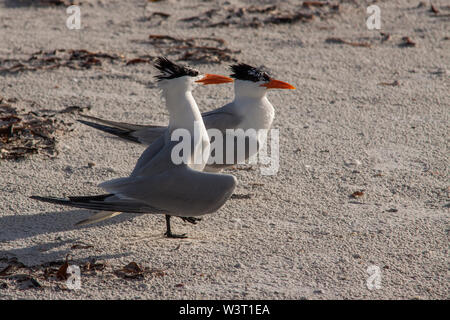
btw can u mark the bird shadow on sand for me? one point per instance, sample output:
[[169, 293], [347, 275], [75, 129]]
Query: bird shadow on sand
[[22, 228], [16, 227]]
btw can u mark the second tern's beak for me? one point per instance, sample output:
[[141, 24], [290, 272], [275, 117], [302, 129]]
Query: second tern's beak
[[277, 84], [214, 79]]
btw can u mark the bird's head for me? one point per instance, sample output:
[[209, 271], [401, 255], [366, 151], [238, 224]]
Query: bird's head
[[176, 76], [253, 81]]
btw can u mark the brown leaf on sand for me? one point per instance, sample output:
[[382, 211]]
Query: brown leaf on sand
[[386, 36], [62, 271], [434, 9], [94, 266], [357, 194], [407, 42], [137, 60], [130, 271], [135, 271], [132, 267]]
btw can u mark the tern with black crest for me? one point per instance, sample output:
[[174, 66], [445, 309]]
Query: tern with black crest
[[250, 109], [157, 185]]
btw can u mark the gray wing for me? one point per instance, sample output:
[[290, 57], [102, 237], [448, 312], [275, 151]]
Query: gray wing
[[172, 189], [146, 161], [222, 119], [179, 191]]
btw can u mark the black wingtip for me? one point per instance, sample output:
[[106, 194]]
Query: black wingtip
[[125, 134], [51, 200]]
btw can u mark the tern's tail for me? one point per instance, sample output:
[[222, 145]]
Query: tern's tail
[[107, 202], [131, 132]]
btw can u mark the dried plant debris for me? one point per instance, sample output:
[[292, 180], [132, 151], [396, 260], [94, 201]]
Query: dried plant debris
[[73, 59], [436, 12], [197, 49], [21, 274], [43, 275], [256, 16], [138, 60], [395, 83], [407, 42], [62, 274], [434, 9], [357, 194], [49, 2], [134, 271], [81, 246], [57, 270], [385, 36], [45, 60], [156, 18], [13, 266], [341, 41], [25, 133]]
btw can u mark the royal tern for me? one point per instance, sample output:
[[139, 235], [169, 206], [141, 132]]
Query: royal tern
[[250, 109], [157, 184]]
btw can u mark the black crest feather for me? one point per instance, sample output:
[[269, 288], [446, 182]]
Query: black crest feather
[[242, 71], [170, 70]]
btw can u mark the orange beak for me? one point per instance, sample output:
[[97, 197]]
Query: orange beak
[[277, 84], [214, 79]]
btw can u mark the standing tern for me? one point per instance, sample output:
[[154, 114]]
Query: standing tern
[[250, 109], [157, 184]]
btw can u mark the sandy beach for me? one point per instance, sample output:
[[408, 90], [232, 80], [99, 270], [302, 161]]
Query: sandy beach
[[363, 177]]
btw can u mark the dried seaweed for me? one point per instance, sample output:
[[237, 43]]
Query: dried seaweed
[[26, 133], [354, 44], [407, 42], [45, 60], [395, 83], [134, 271], [50, 2], [357, 194], [256, 16], [30, 277], [198, 49]]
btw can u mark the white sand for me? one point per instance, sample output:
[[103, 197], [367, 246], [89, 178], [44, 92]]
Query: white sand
[[299, 235]]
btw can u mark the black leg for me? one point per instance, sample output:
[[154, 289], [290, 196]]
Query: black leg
[[190, 219], [169, 233]]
